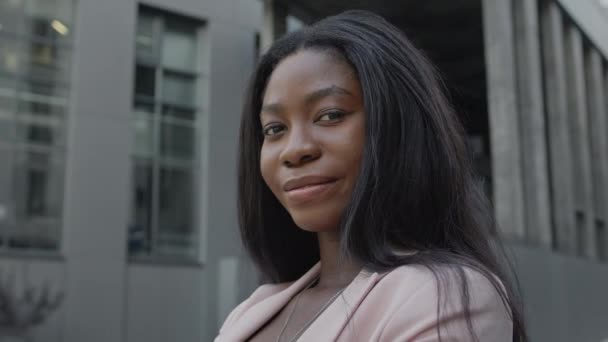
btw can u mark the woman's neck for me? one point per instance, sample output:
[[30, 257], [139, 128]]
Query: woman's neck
[[336, 270]]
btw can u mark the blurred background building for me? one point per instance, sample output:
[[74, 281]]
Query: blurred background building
[[118, 137]]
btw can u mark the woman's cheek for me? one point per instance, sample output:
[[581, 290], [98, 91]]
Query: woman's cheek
[[268, 168]]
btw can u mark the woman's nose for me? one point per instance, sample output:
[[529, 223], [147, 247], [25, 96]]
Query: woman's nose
[[301, 148]]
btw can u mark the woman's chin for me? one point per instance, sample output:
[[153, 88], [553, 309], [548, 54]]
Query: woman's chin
[[315, 225]]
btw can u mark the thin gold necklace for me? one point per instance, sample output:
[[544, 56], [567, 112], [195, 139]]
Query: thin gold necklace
[[309, 322]]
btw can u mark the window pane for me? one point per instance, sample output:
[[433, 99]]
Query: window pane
[[179, 47], [7, 129], [48, 58], [177, 141], [42, 99], [49, 90], [146, 44], [59, 10], [8, 105], [41, 132], [11, 15], [178, 89], [144, 134], [176, 234], [52, 30], [39, 182], [41, 106], [7, 217], [145, 83], [140, 227], [9, 55], [176, 112], [46, 62], [144, 106]]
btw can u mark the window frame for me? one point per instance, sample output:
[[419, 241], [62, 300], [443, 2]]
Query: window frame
[[158, 160], [19, 118]]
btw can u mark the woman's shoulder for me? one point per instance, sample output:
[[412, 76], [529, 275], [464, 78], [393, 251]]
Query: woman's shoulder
[[451, 281], [412, 294], [426, 275]]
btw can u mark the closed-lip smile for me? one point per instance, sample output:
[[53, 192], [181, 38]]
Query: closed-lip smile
[[301, 182], [309, 189]]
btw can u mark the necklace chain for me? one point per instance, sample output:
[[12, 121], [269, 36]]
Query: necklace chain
[[309, 322]]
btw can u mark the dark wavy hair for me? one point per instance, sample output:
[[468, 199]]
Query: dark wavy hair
[[416, 189]]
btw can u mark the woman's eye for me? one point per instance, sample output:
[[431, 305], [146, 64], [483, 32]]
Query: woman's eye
[[331, 116], [272, 130]]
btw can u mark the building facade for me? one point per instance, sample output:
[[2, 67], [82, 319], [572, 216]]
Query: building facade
[[118, 138]]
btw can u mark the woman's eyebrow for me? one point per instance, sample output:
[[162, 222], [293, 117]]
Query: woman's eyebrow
[[324, 92], [272, 108], [277, 108]]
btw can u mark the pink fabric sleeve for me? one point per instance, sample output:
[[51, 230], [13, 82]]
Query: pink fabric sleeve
[[416, 319]]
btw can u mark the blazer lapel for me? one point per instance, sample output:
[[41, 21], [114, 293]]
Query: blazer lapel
[[331, 322], [257, 315]]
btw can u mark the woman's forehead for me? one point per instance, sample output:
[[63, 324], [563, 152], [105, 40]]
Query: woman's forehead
[[309, 71]]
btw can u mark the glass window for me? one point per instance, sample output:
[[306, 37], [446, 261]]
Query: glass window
[[50, 90], [41, 106], [9, 55], [177, 140], [146, 45], [178, 112], [35, 60], [11, 15], [57, 13], [39, 191], [179, 47], [7, 201], [39, 132], [7, 98], [7, 129], [178, 89], [140, 228], [145, 81], [165, 135], [144, 134], [44, 54], [175, 220]]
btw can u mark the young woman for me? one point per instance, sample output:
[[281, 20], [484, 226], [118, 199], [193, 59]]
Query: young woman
[[357, 199]]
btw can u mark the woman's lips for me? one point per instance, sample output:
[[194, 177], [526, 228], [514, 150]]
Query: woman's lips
[[310, 192]]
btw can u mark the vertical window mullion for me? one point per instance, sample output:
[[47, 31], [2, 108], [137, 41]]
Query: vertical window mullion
[[156, 134], [16, 151]]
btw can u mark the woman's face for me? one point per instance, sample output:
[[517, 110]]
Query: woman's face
[[313, 123]]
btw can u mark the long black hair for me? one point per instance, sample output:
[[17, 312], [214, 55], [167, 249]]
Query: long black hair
[[416, 189]]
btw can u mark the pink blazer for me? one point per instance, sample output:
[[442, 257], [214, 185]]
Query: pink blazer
[[400, 305]]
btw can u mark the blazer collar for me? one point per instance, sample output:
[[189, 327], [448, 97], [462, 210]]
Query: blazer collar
[[339, 311], [332, 321], [257, 315]]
